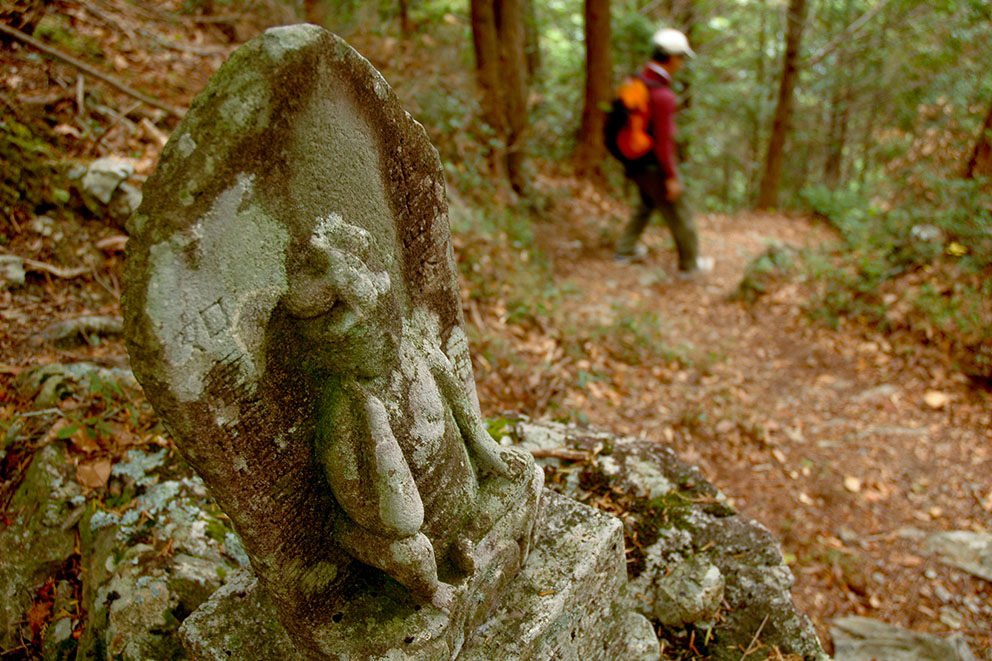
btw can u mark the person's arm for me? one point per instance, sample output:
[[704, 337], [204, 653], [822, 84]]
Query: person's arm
[[663, 108]]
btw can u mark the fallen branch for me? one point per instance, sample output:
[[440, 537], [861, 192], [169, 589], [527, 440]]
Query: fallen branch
[[559, 453], [183, 48], [85, 326], [85, 68], [57, 271], [755, 639]]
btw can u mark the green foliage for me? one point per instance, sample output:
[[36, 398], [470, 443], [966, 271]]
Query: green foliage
[[921, 266], [489, 239], [58, 30], [776, 263], [632, 32], [27, 177]]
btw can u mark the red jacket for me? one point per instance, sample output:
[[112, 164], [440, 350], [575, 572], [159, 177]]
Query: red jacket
[[664, 106]]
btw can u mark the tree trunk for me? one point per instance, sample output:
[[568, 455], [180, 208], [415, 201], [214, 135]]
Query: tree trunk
[[532, 40], [840, 106], [513, 58], [768, 192], [313, 11], [591, 149], [980, 163], [684, 18], [487, 64], [406, 27], [757, 126], [834, 160]]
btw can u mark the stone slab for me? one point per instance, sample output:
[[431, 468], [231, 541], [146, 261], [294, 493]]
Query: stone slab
[[564, 604], [864, 639]]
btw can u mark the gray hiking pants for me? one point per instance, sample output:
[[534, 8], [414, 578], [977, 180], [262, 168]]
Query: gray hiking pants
[[677, 215]]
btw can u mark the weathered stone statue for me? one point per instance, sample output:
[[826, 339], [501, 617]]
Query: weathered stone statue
[[293, 314]]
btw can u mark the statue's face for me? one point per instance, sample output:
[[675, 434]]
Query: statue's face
[[341, 291]]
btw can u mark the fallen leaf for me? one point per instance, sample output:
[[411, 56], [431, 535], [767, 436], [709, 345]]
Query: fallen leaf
[[907, 560], [93, 474], [936, 399], [38, 616], [82, 442], [54, 431], [66, 129], [956, 249]]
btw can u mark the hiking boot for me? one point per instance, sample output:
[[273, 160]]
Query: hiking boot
[[703, 265], [640, 252]]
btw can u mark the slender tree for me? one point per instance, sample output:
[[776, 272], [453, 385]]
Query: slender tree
[[590, 149], [313, 11], [839, 111], [980, 163], [486, 41], [533, 45], [513, 58], [406, 26], [768, 191], [499, 38]]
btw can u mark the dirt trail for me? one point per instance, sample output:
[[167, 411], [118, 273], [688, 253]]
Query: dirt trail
[[846, 450]]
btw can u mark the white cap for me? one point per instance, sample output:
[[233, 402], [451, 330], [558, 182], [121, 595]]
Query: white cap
[[671, 42]]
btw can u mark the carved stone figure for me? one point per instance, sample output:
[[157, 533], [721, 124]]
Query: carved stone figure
[[293, 313]]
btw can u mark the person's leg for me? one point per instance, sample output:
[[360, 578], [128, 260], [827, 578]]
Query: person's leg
[[678, 216], [627, 243]]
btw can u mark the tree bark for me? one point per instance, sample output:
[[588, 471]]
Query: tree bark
[[532, 40], [768, 191], [980, 163], [591, 149], [761, 101], [406, 27], [513, 51], [487, 66], [313, 11], [501, 65], [840, 104]]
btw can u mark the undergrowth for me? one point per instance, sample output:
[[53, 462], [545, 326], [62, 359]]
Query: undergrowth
[[919, 268]]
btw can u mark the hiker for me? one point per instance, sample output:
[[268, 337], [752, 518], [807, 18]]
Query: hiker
[[657, 174]]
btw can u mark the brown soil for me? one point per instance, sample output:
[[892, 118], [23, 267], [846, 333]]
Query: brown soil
[[847, 448]]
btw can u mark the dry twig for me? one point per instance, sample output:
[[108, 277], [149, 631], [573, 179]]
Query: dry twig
[[559, 453], [85, 68]]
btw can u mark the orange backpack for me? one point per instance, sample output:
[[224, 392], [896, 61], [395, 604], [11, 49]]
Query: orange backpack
[[626, 132]]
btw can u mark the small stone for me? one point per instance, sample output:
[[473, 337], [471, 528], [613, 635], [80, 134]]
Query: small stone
[[965, 550], [12, 272], [848, 536], [104, 175], [692, 592], [936, 399], [885, 390], [865, 639], [951, 617]]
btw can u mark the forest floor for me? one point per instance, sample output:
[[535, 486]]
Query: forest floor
[[848, 447]]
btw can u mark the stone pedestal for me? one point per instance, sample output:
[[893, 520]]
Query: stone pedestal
[[564, 604]]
